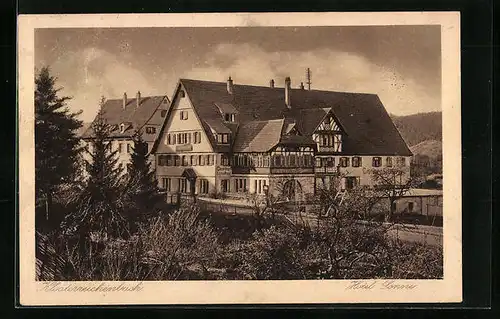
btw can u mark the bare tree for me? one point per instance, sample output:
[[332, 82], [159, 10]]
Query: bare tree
[[393, 184], [263, 205]]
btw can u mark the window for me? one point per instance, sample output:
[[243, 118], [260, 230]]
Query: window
[[170, 160], [240, 185], [191, 160], [351, 182], [163, 113], [224, 185], [223, 138], [203, 186], [166, 184], [410, 207], [210, 160], [120, 147], [224, 160], [229, 117], [337, 143], [356, 161], [194, 160], [325, 140], [184, 160], [182, 185], [318, 161], [376, 162], [401, 161], [344, 161], [184, 115], [177, 160], [150, 130], [330, 162], [266, 161], [278, 162], [128, 148], [162, 160], [182, 138], [201, 160], [197, 137], [182, 93], [308, 160], [388, 162]]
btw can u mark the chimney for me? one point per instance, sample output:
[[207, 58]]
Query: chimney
[[288, 83], [230, 85], [301, 85], [124, 100], [271, 83], [138, 98]]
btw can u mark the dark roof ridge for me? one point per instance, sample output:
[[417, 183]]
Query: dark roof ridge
[[262, 121], [133, 98], [279, 87]]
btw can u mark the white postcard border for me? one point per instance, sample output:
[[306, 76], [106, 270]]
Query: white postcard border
[[448, 289]]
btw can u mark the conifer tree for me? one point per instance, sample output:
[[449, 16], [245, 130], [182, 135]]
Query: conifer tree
[[100, 205], [56, 139], [142, 185]]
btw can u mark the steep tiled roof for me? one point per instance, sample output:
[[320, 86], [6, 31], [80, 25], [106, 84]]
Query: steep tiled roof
[[296, 139], [217, 124], [369, 129], [226, 108], [258, 136], [149, 112]]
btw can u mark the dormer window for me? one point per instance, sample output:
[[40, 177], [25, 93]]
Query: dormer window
[[122, 128], [227, 111], [223, 138], [150, 130], [229, 117]]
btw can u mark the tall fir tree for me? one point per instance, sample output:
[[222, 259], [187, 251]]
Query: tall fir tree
[[100, 205], [56, 139], [142, 185]]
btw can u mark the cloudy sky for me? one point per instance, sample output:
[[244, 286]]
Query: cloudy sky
[[402, 64]]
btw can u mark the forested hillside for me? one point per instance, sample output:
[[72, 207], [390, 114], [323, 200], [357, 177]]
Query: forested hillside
[[420, 127]]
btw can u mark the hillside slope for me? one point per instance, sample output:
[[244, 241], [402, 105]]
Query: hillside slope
[[420, 127], [431, 148]]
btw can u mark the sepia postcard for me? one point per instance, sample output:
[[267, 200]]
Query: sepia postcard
[[239, 158]]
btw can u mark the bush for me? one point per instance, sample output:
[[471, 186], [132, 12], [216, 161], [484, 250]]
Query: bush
[[273, 253], [217, 195], [164, 249], [185, 245]]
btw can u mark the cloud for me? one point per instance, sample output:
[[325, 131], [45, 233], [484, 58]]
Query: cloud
[[331, 70], [90, 73]]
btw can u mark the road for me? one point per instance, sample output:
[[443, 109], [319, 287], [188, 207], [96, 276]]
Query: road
[[411, 233]]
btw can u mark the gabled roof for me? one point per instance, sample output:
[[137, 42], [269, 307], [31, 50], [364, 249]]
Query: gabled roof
[[217, 125], [226, 107], [135, 118], [258, 136], [369, 129], [296, 140]]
